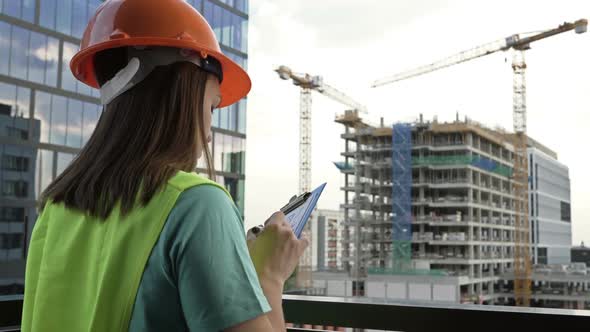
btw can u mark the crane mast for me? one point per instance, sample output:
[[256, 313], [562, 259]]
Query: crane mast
[[309, 83], [519, 43]]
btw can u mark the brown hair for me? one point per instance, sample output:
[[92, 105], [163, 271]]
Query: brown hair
[[142, 139]]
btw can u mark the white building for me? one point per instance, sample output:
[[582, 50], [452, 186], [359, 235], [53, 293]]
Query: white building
[[549, 206], [326, 243]]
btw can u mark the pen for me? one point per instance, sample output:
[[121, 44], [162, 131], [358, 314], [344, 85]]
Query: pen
[[254, 232]]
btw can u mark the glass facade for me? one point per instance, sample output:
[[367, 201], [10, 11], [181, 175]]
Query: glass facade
[[46, 116]]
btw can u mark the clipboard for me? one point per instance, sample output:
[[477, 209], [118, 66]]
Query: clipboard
[[298, 211]]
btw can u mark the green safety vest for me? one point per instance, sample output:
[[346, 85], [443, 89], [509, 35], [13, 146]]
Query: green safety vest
[[83, 273]]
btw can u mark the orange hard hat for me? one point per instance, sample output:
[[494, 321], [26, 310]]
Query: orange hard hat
[[169, 23]]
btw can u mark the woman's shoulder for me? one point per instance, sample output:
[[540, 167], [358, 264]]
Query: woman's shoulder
[[204, 193], [203, 204]]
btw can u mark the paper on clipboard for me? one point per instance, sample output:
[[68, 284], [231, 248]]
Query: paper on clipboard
[[298, 217]]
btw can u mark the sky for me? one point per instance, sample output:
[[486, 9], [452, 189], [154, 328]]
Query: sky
[[352, 43]]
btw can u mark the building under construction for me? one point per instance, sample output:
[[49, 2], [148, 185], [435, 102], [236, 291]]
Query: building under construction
[[430, 198]]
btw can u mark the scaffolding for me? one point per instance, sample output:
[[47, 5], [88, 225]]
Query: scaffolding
[[401, 197]]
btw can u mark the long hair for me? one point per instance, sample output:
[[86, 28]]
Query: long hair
[[142, 139]]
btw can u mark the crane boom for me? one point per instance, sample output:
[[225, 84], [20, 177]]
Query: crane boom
[[464, 56], [338, 96], [317, 83], [514, 41]]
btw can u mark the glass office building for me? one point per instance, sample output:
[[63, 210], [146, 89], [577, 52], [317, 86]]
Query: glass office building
[[46, 116]]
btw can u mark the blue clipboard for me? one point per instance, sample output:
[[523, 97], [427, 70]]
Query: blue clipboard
[[298, 217]]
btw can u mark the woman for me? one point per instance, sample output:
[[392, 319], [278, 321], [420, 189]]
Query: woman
[[128, 237]]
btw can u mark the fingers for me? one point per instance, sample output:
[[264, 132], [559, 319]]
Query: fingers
[[302, 245], [275, 217]]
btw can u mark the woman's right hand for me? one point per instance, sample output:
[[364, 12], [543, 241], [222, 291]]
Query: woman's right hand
[[275, 252]]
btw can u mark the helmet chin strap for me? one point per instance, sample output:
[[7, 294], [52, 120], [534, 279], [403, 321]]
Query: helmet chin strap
[[143, 61], [121, 82]]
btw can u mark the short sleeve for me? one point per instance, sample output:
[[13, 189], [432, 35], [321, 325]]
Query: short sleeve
[[217, 283]]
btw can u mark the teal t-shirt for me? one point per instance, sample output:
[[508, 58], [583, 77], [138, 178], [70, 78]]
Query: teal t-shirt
[[199, 276]]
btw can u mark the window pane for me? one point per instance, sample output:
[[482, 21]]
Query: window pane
[[208, 12], [14, 111], [23, 101], [17, 186], [226, 28], [63, 160], [95, 92], [215, 118], [47, 11], [242, 116], [12, 8], [7, 99], [244, 32], [232, 116], [44, 169], [228, 2], [226, 156], [81, 87], [37, 56], [196, 4], [223, 118], [236, 29], [236, 155], [64, 16], [42, 115], [59, 118], [79, 17], [74, 138], [68, 82], [240, 5], [242, 152], [4, 47], [52, 58], [28, 10], [89, 120], [241, 196], [217, 151], [201, 161], [19, 53], [92, 7], [17, 167], [217, 17]]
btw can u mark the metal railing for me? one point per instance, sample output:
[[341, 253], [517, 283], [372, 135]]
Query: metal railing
[[397, 316], [365, 313], [10, 312]]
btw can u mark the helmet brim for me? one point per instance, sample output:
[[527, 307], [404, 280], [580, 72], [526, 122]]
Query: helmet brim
[[236, 82]]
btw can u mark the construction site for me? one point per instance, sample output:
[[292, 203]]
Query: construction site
[[449, 190], [450, 204]]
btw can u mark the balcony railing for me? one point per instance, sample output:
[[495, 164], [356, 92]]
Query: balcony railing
[[364, 313], [381, 315]]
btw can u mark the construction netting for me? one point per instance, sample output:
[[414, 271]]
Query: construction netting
[[477, 161]]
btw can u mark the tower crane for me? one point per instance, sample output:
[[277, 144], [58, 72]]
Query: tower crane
[[519, 43], [309, 83]]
